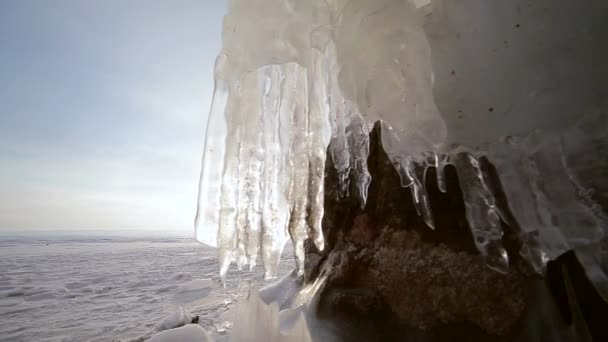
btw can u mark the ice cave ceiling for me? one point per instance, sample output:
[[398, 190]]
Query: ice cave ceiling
[[522, 82]]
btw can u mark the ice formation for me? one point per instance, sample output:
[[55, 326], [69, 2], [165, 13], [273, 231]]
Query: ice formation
[[256, 320], [452, 82]]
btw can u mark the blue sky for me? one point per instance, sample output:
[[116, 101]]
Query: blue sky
[[103, 106]]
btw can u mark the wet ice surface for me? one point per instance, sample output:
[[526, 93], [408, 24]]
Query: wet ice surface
[[112, 289]]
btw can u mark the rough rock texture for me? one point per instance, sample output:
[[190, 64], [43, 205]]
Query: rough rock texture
[[427, 285], [430, 284]]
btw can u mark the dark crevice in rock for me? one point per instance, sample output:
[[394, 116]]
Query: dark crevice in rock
[[575, 294]]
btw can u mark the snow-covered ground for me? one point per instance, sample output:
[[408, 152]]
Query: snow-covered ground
[[112, 289]]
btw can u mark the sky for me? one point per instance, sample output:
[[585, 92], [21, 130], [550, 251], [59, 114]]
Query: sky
[[103, 105]]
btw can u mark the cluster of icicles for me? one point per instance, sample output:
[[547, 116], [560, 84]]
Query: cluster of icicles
[[290, 79], [270, 182], [483, 214]]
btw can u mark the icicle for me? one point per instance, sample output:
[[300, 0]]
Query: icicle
[[440, 163], [243, 201], [315, 198], [206, 222], [481, 212], [358, 145], [253, 211], [339, 113], [227, 235], [300, 172], [253, 189], [274, 210], [317, 121], [421, 202], [319, 109]]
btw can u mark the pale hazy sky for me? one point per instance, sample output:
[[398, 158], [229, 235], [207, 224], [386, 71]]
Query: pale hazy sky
[[103, 105]]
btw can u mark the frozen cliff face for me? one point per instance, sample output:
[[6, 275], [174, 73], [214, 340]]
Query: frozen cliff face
[[522, 83]]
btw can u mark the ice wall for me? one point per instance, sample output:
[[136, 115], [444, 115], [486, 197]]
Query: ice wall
[[521, 82]]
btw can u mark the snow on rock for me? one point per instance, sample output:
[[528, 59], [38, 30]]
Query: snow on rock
[[176, 319], [187, 333]]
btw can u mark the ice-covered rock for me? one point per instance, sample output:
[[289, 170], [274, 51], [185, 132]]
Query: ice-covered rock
[[392, 278], [187, 333], [520, 84], [180, 317]]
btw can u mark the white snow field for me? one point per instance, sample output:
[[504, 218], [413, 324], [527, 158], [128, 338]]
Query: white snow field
[[114, 289]]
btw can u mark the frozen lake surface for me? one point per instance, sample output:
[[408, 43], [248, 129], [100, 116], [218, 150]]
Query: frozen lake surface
[[112, 289]]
